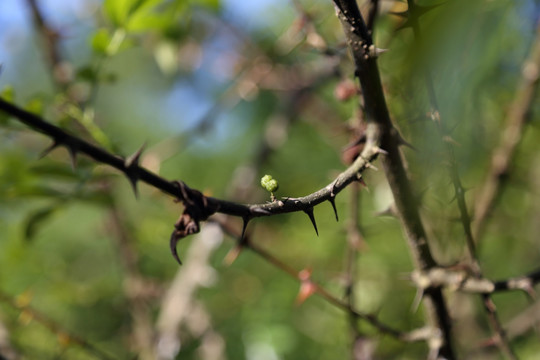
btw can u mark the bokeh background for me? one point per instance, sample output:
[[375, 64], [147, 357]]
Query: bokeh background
[[221, 93]]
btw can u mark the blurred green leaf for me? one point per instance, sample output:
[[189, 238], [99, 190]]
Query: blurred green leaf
[[101, 40], [35, 105], [36, 219], [8, 93], [117, 10], [88, 73]]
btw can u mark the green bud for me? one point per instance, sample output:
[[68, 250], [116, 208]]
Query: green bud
[[269, 183]]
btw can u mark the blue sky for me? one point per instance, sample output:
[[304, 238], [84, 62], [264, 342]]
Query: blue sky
[[20, 54]]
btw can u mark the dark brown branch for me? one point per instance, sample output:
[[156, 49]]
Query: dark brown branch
[[381, 132], [286, 205]]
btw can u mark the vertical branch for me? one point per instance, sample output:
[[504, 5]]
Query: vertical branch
[[381, 132], [50, 46], [512, 134], [372, 15], [459, 192]]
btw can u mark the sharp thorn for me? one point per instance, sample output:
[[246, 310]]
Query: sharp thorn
[[133, 160], [333, 202], [133, 179], [132, 166], [50, 148], [173, 242], [311, 216], [375, 51], [381, 151], [371, 166], [73, 156], [244, 227]]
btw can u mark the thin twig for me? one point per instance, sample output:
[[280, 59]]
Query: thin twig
[[318, 289], [136, 173]]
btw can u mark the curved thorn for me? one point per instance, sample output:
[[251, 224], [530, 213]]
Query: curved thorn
[[309, 213], [333, 202], [173, 242], [133, 159]]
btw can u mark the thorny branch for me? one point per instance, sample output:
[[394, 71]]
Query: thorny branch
[[198, 207], [381, 132]]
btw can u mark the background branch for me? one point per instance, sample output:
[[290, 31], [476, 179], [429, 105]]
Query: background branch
[[381, 131], [512, 133]]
